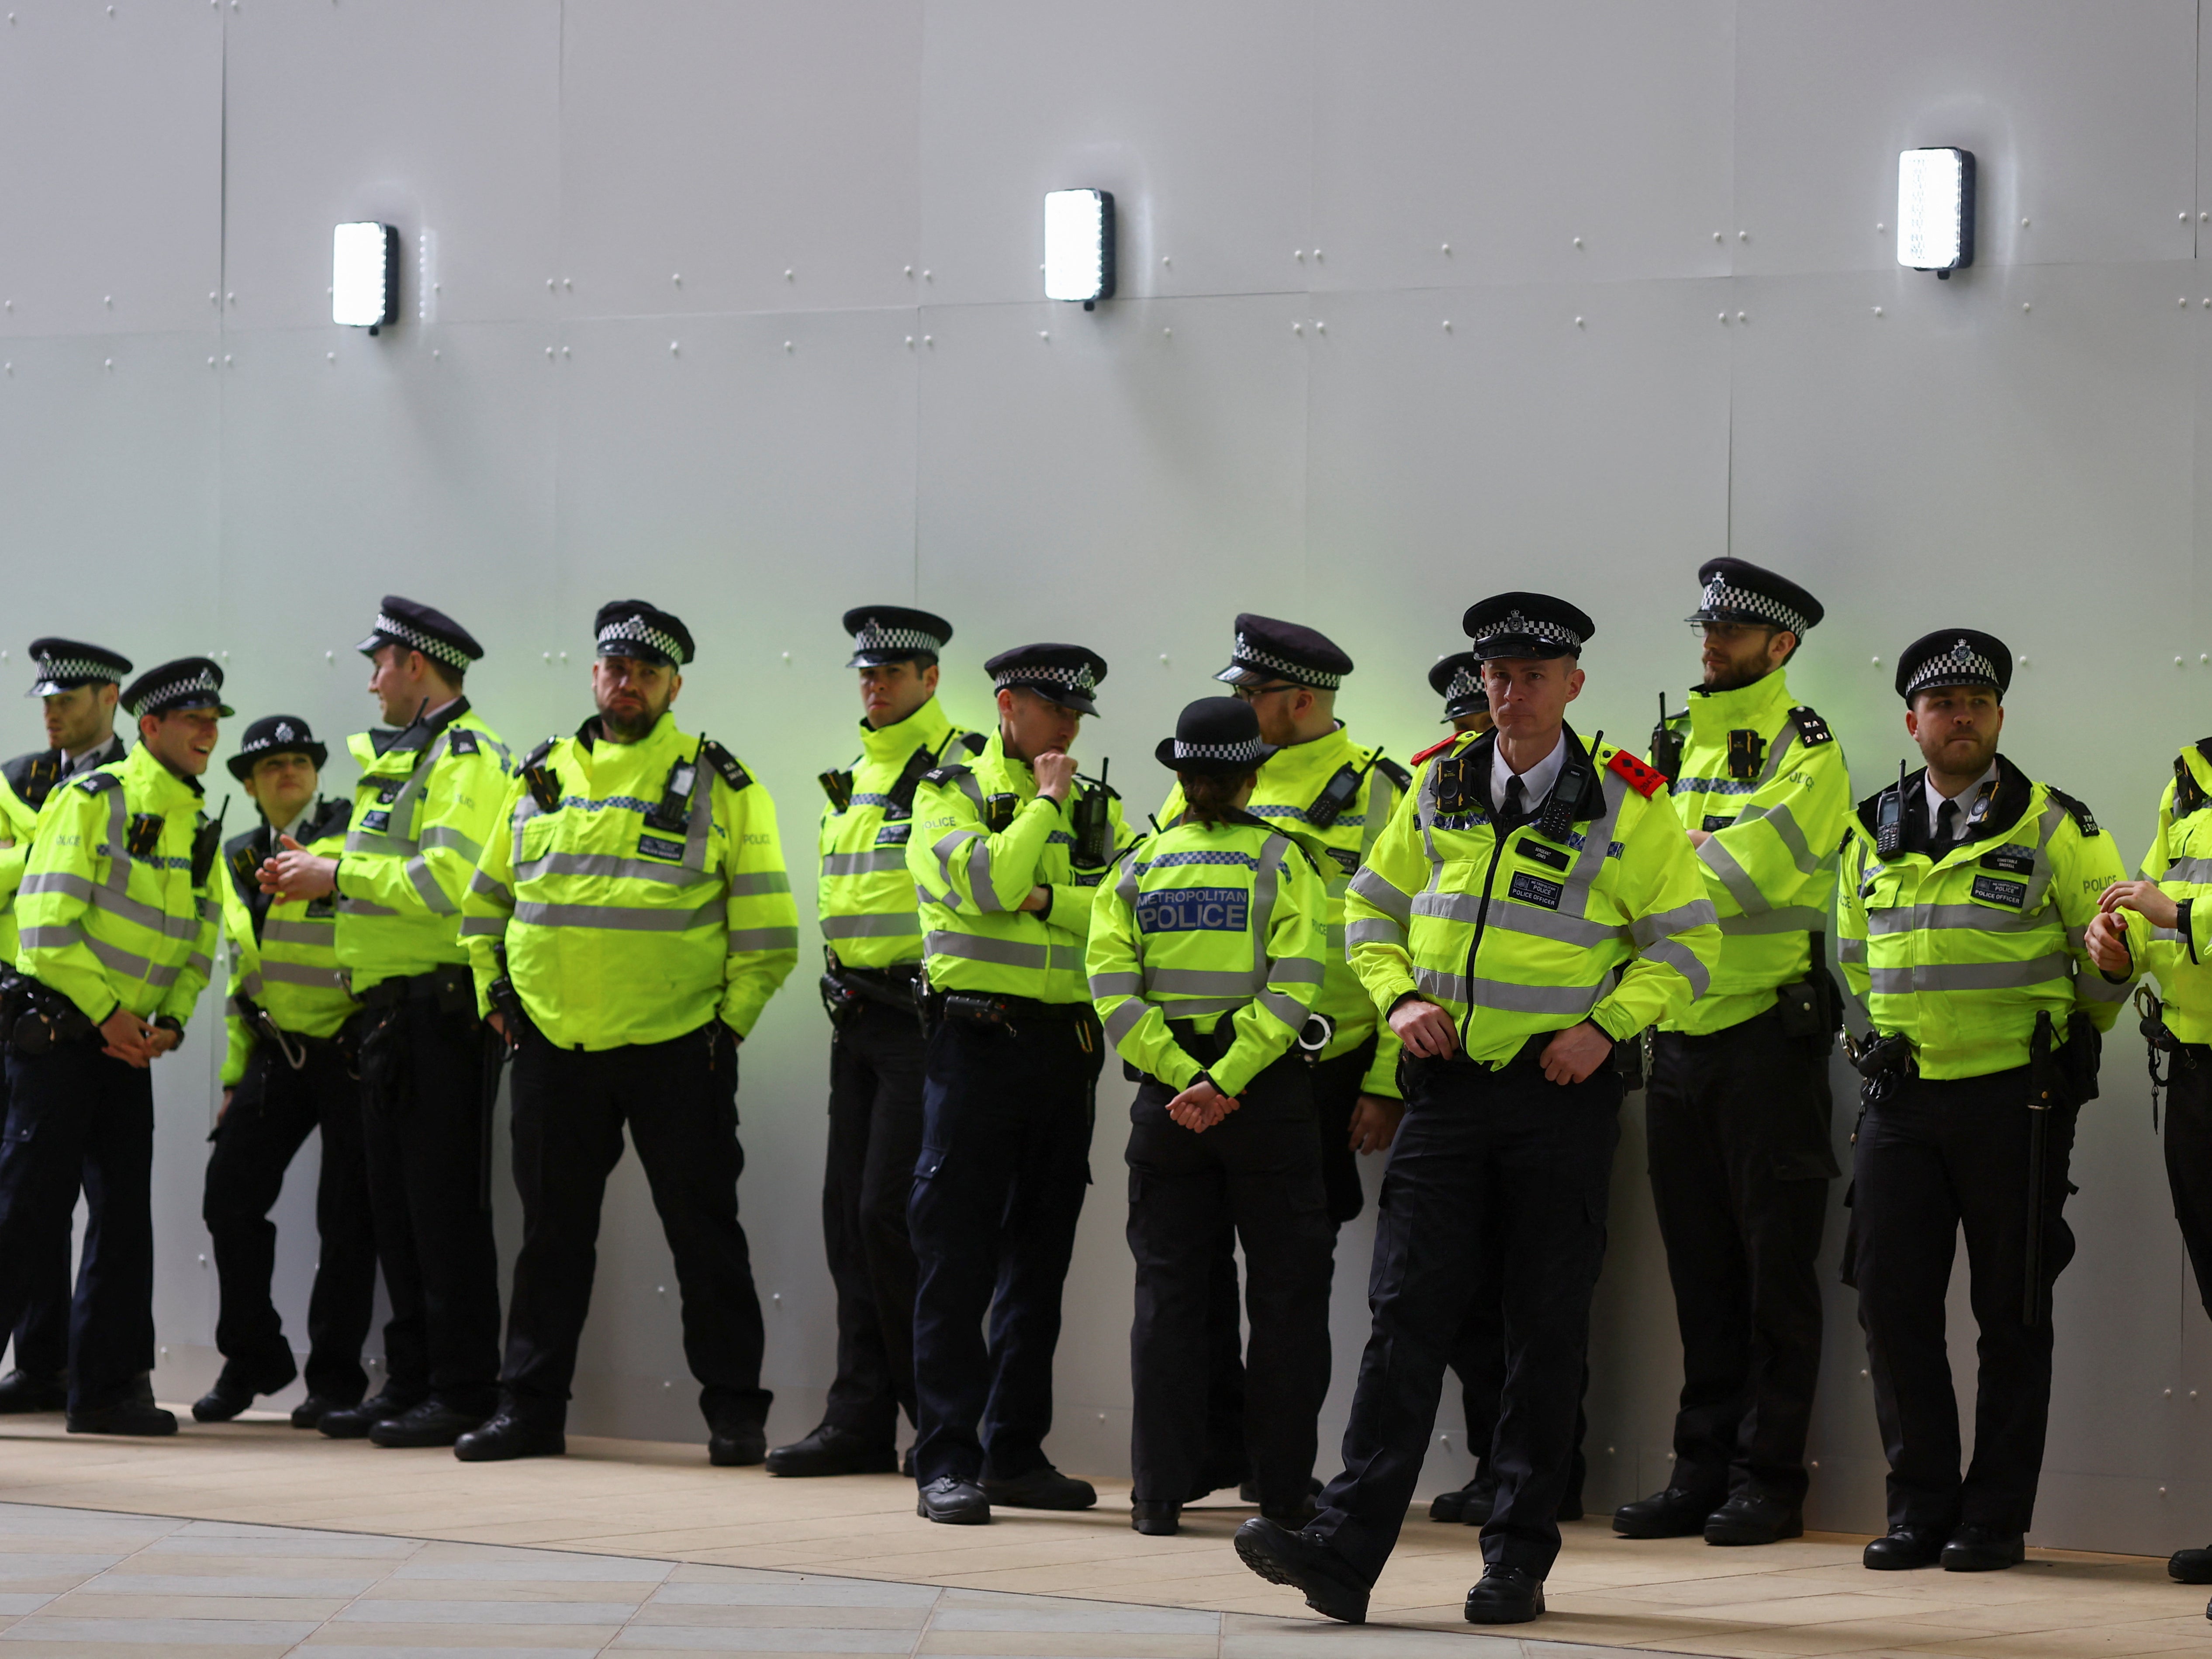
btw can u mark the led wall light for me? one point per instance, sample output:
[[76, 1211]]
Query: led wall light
[[365, 275], [1935, 210], [1079, 245]]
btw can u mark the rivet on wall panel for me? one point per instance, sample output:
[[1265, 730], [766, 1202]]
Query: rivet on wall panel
[[564, 351], [1743, 316], [330, 656], [1879, 230], [210, 362], [1447, 325], [1578, 241], [215, 299], [929, 339], [1044, 334], [435, 355], [909, 343], [226, 359], [1321, 328], [330, 356], [2169, 1392], [108, 363], [1317, 256], [1297, 328], [1877, 310], [1743, 236], [549, 353], [676, 278], [566, 283], [787, 345], [549, 284], [2023, 224], [233, 298], [1167, 334], [1299, 255], [1718, 236], [107, 300], [1446, 248], [2185, 220], [1164, 659], [788, 277], [672, 347], [926, 276], [907, 269], [1876, 661], [2024, 304], [1723, 318], [1578, 322]]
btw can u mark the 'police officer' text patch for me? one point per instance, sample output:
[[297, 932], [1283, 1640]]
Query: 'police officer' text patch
[[1194, 909], [1991, 891], [1534, 890]]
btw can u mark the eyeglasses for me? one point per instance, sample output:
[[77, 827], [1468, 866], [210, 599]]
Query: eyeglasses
[[1253, 693]]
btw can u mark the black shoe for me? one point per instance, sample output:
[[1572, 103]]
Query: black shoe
[[1984, 1549], [1472, 1500], [310, 1413], [234, 1392], [1044, 1488], [1154, 1520], [1307, 1564], [906, 1463], [736, 1445], [1673, 1513], [1505, 1595], [353, 1422], [955, 1502], [508, 1434], [832, 1450], [25, 1391], [2190, 1566], [1748, 1518], [433, 1423], [1906, 1548], [124, 1417]]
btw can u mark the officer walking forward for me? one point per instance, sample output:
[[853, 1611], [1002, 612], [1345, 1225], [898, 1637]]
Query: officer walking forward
[[1008, 853], [1534, 903], [630, 921], [872, 934], [1964, 892], [285, 1076], [117, 938], [1205, 956], [1737, 1115]]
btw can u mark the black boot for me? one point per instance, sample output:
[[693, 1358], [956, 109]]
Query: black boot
[[955, 1502], [1044, 1488], [1906, 1548], [1749, 1518], [1673, 1513], [310, 1413], [1470, 1504], [832, 1450], [508, 1433], [128, 1416], [353, 1422], [236, 1389], [433, 1423], [29, 1391], [1308, 1564], [1984, 1549], [1505, 1595], [735, 1441], [1154, 1520], [2190, 1566]]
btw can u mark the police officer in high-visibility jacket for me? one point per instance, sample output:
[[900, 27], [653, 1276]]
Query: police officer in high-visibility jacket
[[1737, 1115], [628, 922], [1963, 899], [872, 932], [431, 784], [1205, 956], [1457, 679], [1531, 905], [285, 1076], [118, 931], [1007, 851], [80, 683]]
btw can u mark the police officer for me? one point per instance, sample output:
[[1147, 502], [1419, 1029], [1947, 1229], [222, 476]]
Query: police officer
[[285, 1076], [1205, 958], [117, 939], [431, 783], [873, 935], [629, 921], [1533, 904], [1457, 679], [1960, 891], [1007, 852], [1738, 1110], [80, 683]]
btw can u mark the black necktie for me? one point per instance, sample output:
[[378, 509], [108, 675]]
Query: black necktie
[[1946, 827], [1516, 806]]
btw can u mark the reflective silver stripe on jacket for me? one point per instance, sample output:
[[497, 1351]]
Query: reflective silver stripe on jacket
[[1969, 975], [278, 931], [297, 972], [1005, 952], [879, 924], [624, 918], [401, 808], [1508, 997], [878, 860], [743, 939]]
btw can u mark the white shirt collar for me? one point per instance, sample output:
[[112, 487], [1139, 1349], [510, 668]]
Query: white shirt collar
[[1965, 797], [1537, 782]]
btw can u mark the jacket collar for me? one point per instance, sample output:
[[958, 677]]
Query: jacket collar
[[162, 789], [2009, 804], [1758, 707], [1018, 776], [420, 735], [1306, 766], [927, 727]]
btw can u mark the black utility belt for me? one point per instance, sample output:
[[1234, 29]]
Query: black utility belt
[[453, 988], [982, 1008]]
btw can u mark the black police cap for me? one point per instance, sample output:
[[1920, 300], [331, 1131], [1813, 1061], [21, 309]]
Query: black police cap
[[419, 627], [894, 632], [1214, 734], [1526, 625], [187, 682], [1270, 650], [1954, 656], [1065, 674], [64, 665], [1458, 680], [633, 628], [1738, 591], [274, 734]]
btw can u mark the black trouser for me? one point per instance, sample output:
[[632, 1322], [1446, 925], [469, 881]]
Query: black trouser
[[423, 1135], [2188, 1158], [1006, 1156], [269, 1117], [1257, 1174], [1478, 1359], [1483, 1156], [74, 1112], [680, 1101], [42, 1333], [1738, 1128], [875, 1135], [1934, 1157]]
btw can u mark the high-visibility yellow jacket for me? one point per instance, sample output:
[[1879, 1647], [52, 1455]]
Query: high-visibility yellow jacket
[[1606, 920], [2180, 861], [284, 954], [971, 879], [651, 899], [1292, 783], [1767, 780], [27, 784], [105, 925], [869, 915], [1960, 954], [1207, 923], [427, 799]]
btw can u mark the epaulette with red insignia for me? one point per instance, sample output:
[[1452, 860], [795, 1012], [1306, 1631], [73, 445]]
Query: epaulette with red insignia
[[1643, 780], [1437, 748]]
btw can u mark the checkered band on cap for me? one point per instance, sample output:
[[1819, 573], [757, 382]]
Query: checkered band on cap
[[1960, 666], [1515, 624], [1304, 673], [155, 698], [1250, 750], [876, 636], [635, 630], [1465, 682], [1722, 595], [75, 668], [415, 639], [1076, 680]]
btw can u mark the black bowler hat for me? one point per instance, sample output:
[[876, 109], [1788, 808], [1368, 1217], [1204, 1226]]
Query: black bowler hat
[[1954, 656], [1526, 625], [1458, 680], [187, 682], [274, 734], [64, 665], [1065, 674], [1737, 591], [894, 632], [1214, 734], [1271, 650], [632, 628], [419, 627]]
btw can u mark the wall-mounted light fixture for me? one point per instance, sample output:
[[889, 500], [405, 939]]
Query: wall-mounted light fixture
[[1935, 210], [365, 275], [1079, 245]]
